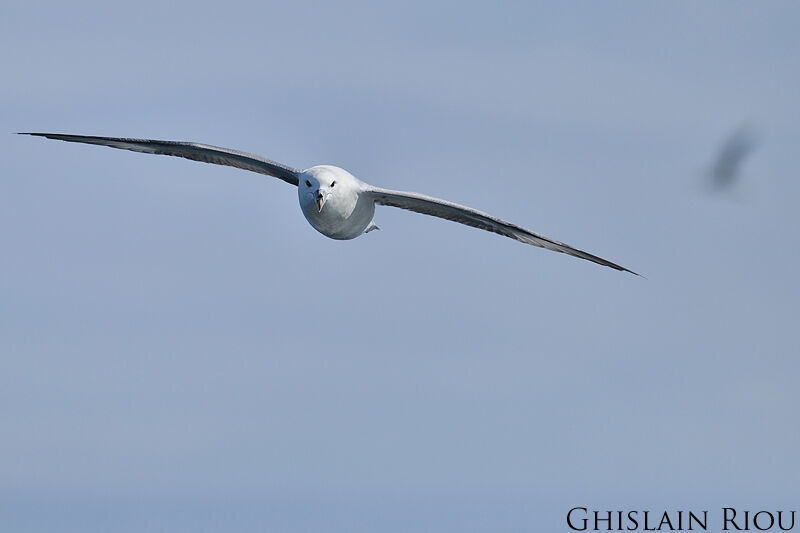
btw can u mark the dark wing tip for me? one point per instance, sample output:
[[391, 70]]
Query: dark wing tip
[[48, 135], [608, 263], [634, 273], [605, 262], [38, 134], [623, 269]]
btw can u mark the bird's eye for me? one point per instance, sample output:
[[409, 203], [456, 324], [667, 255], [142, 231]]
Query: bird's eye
[[333, 183], [308, 183]]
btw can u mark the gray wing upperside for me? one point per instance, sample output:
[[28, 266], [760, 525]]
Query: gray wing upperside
[[428, 205], [194, 151]]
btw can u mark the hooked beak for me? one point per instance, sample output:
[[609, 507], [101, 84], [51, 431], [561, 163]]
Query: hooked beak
[[320, 202]]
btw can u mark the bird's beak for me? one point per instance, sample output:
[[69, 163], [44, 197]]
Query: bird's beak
[[320, 202]]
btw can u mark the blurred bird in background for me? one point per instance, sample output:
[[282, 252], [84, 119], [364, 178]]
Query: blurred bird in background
[[726, 169]]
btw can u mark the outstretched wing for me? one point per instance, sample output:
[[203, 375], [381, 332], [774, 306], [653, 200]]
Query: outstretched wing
[[428, 205], [193, 151]]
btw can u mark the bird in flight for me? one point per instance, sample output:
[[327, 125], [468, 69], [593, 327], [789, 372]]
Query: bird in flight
[[731, 156], [335, 202]]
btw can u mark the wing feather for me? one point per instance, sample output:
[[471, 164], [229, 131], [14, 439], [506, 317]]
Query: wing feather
[[194, 151], [428, 205]]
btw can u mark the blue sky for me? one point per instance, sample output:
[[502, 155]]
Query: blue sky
[[181, 350]]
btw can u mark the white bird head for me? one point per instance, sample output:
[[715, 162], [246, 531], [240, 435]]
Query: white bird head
[[325, 182]]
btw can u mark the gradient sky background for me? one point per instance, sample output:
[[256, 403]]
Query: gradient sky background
[[181, 351]]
